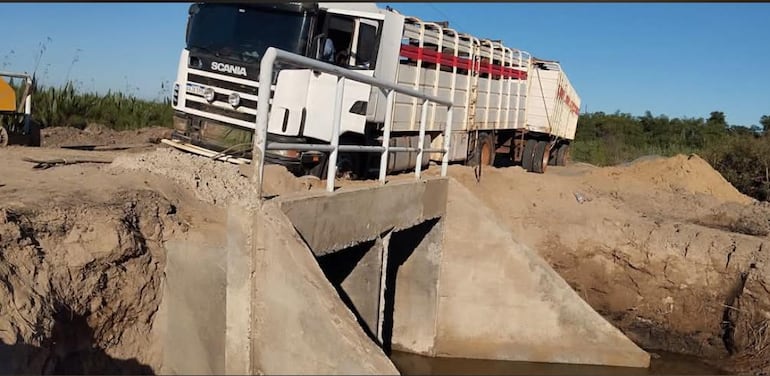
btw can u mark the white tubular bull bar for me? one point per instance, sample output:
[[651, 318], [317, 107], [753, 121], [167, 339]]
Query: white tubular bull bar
[[273, 55]]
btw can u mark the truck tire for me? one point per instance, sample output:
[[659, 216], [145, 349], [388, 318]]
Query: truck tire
[[319, 170], [561, 155], [526, 155], [552, 160], [541, 157]]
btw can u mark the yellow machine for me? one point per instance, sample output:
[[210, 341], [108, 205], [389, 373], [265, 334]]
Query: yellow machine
[[16, 124]]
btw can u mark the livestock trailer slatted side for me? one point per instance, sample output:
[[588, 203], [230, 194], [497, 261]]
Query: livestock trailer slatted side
[[486, 80]]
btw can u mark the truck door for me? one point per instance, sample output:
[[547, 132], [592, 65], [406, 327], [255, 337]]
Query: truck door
[[354, 39]]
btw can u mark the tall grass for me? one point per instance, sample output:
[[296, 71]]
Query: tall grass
[[67, 106]]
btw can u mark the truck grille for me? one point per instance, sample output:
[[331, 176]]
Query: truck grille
[[220, 97], [208, 81]]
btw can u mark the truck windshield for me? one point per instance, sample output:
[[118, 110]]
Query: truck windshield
[[244, 33]]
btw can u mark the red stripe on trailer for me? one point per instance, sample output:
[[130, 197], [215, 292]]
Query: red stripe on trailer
[[435, 57]]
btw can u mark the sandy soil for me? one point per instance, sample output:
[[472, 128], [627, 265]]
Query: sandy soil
[[664, 248]]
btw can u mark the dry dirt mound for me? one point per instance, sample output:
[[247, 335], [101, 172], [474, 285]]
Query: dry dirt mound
[[213, 182], [680, 174], [96, 134], [79, 286]]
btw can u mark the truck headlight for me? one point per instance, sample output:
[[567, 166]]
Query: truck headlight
[[234, 99], [209, 94]]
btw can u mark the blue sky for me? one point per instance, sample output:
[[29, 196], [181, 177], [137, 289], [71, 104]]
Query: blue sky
[[674, 59]]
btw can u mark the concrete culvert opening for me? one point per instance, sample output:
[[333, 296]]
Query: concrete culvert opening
[[367, 275], [357, 268], [401, 272]]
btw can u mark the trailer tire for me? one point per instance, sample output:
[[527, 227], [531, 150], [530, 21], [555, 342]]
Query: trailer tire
[[528, 152], [484, 152], [561, 155], [487, 150], [541, 157]]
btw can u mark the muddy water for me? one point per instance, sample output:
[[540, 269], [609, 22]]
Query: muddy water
[[666, 364]]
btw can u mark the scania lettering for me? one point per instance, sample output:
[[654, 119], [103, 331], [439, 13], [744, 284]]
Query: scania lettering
[[507, 104], [241, 71]]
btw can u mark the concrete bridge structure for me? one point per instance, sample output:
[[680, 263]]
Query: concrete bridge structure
[[328, 283]]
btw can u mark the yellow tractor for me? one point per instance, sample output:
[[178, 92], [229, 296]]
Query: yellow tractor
[[16, 124]]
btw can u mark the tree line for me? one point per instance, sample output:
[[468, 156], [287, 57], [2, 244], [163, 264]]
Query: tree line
[[740, 153]]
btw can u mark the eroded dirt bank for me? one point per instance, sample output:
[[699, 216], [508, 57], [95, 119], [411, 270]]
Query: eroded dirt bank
[[82, 263], [80, 285]]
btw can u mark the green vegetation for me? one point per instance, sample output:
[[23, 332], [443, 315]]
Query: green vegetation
[[67, 106], [741, 154]]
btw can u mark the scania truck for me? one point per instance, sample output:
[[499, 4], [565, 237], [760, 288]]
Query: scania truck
[[507, 105]]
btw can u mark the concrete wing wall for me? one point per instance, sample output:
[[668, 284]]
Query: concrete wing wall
[[500, 300], [299, 323]]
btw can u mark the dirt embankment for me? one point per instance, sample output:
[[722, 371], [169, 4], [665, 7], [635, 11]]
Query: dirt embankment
[[80, 285], [664, 248], [97, 134]]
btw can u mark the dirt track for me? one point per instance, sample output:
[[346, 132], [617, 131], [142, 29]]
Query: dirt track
[[666, 249]]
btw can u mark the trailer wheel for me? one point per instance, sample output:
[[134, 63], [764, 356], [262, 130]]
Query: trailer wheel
[[484, 152], [3, 137], [541, 157], [561, 155], [528, 152], [552, 159], [487, 150]]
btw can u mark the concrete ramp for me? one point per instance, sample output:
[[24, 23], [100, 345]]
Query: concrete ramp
[[499, 299]]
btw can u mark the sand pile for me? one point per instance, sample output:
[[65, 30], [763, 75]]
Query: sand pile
[[679, 174], [213, 182]]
